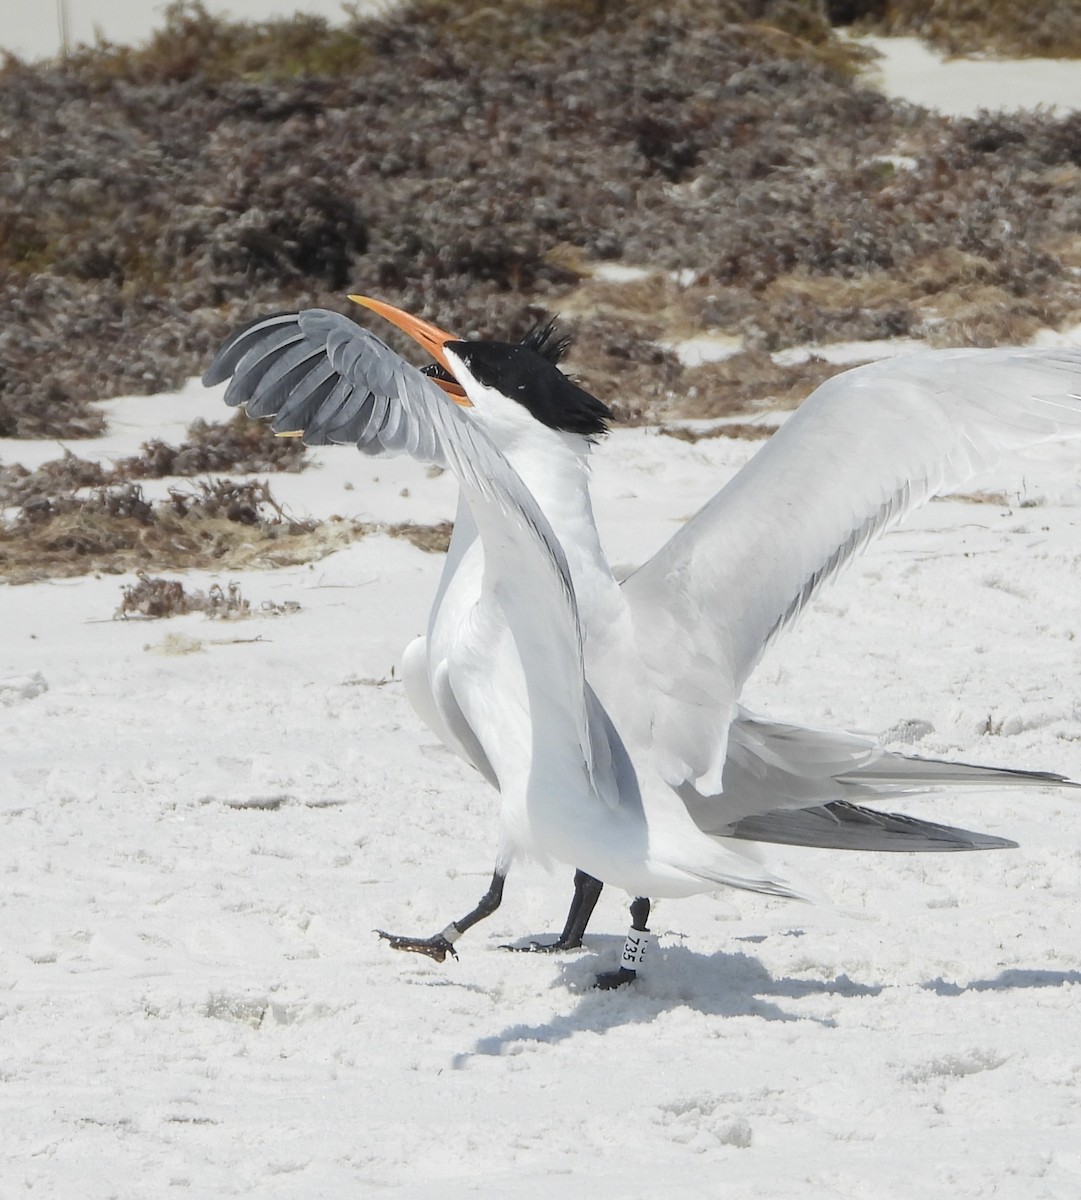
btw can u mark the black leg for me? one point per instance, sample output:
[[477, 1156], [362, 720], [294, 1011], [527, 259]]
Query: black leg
[[633, 950], [587, 892], [442, 944]]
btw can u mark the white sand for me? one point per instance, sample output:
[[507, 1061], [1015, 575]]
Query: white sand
[[960, 87], [195, 847]]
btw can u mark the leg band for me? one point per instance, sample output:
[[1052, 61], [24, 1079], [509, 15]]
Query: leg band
[[634, 948]]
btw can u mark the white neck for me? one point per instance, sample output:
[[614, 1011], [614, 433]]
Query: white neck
[[554, 465], [555, 468]]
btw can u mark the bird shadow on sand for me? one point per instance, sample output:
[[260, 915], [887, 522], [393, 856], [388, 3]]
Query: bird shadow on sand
[[725, 984], [1008, 980]]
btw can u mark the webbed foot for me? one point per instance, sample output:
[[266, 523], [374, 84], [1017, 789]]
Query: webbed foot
[[544, 947], [615, 979], [434, 947]]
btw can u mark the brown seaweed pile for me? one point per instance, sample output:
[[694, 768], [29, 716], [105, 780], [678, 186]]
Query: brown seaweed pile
[[217, 523], [473, 162], [237, 445], [72, 517], [152, 597], [240, 445]]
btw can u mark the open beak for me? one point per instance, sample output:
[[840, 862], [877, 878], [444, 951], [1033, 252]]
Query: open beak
[[432, 338]]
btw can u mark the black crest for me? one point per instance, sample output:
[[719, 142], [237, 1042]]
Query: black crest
[[527, 373], [546, 340]]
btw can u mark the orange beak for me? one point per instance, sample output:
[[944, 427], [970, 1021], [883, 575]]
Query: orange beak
[[432, 338]]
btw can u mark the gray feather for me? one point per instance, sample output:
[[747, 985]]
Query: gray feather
[[328, 414], [279, 380], [238, 344], [306, 399], [844, 826], [255, 364]]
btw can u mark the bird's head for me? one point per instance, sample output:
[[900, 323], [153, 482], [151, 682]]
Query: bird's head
[[513, 386]]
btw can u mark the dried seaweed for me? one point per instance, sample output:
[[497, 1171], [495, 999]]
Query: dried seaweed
[[152, 597], [433, 539], [736, 429], [220, 524], [748, 383], [241, 445], [19, 487], [217, 524], [155, 198]]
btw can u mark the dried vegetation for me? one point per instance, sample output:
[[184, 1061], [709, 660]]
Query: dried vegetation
[[743, 430], [236, 445], [216, 524], [471, 161], [477, 163], [72, 516], [432, 539], [152, 597]]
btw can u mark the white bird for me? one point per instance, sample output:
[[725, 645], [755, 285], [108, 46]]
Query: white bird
[[608, 715]]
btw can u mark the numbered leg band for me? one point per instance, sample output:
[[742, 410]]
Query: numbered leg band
[[634, 948]]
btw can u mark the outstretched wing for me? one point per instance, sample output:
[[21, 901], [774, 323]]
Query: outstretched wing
[[864, 449], [321, 375]]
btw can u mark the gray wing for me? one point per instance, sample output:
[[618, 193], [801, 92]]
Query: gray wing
[[844, 826], [321, 375], [864, 449]]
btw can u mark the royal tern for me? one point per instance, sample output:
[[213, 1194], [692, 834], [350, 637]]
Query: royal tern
[[608, 715]]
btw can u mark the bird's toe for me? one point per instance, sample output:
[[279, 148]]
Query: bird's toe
[[433, 947]]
